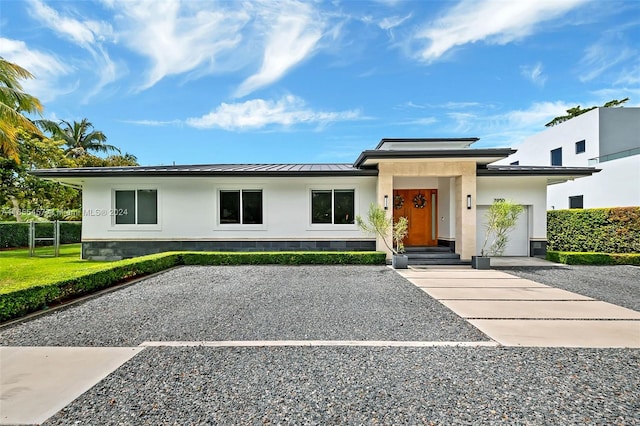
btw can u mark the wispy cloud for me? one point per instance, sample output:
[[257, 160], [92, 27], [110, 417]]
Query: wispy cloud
[[83, 33], [492, 21], [607, 53], [505, 128], [259, 113], [534, 73], [88, 34], [46, 68], [295, 30], [178, 37], [630, 75]]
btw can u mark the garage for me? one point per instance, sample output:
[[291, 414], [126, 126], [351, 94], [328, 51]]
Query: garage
[[518, 243]]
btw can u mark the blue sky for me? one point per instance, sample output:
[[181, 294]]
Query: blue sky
[[196, 82]]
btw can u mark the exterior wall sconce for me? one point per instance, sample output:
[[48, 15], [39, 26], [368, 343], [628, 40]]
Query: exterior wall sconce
[[386, 202], [469, 202]]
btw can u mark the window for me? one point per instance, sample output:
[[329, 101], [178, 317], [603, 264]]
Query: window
[[576, 202], [243, 207], [335, 206], [556, 157], [580, 146], [136, 207], [515, 163]]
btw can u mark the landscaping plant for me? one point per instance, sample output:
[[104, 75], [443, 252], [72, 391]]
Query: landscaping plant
[[502, 217], [379, 224]]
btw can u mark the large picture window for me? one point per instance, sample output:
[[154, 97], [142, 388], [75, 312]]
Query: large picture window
[[333, 206], [136, 207], [241, 206]]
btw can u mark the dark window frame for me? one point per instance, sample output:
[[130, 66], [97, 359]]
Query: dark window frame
[[515, 163], [554, 157], [581, 146], [576, 202], [245, 216], [337, 208], [144, 219]]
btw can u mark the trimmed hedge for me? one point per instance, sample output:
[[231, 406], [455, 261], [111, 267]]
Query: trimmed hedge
[[28, 300], [16, 234], [580, 258], [608, 230]]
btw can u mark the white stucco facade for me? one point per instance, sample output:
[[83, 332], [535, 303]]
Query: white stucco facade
[[311, 206], [188, 209], [611, 140]]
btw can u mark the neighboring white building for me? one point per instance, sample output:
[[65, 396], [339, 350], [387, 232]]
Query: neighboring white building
[[443, 186], [605, 138]]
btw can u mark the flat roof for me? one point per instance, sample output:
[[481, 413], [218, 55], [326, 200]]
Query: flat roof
[[483, 155], [467, 141]]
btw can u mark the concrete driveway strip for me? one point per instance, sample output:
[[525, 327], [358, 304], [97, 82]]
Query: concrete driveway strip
[[534, 309], [563, 333], [520, 312], [37, 382], [509, 293]]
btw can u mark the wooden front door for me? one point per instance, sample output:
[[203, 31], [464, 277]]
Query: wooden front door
[[419, 206]]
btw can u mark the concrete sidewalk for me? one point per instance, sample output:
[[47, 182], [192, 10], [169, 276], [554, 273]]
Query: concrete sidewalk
[[519, 312]]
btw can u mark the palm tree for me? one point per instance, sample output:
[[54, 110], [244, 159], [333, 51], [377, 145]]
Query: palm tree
[[14, 101], [79, 138]]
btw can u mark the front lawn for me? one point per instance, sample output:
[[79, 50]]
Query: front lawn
[[19, 271]]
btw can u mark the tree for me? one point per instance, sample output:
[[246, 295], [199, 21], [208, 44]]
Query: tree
[[79, 138], [576, 111], [22, 193], [14, 101], [110, 161]]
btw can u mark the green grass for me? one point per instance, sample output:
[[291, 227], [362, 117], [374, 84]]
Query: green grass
[[19, 271]]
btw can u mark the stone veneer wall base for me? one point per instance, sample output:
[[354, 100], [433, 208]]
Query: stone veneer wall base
[[127, 249]]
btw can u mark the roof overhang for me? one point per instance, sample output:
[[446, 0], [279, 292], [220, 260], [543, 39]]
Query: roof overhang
[[486, 156], [553, 174]]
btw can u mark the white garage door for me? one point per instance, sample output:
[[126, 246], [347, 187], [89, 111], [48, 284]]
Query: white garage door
[[518, 244]]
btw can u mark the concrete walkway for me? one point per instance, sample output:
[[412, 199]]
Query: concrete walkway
[[518, 312]]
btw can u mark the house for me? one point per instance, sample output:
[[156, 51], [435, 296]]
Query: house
[[607, 138], [443, 186]]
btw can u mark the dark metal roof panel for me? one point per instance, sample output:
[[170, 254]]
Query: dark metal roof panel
[[211, 170]]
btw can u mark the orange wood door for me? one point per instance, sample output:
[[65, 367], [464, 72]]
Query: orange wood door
[[419, 206]]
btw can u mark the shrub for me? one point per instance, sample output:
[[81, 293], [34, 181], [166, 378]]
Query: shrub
[[580, 258], [606, 230]]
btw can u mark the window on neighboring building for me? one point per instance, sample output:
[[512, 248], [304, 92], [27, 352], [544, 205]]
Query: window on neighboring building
[[576, 202], [334, 206], [556, 157], [515, 163], [581, 146], [136, 207], [241, 206]]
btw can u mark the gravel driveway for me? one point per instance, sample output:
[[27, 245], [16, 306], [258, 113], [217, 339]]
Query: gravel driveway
[[323, 385]]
